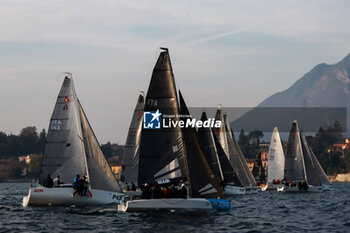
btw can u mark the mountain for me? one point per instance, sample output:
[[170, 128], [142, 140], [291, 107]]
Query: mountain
[[317, 99], [324, 86]]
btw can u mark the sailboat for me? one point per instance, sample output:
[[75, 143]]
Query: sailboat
[[259, 171], [130, 163], [219, 162], [275, 171], [300, 175], [72, 148], [172, 155], [233, 153]]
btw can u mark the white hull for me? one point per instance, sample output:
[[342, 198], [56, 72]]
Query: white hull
[[272, 187], [41, 196], [296, 189], [192, 204], [234, 190]]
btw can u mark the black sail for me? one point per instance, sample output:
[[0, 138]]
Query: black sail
[[311, 173], [130, 163], [162, 150], [206, 138], [202, 181], [236, 156], [294, 161], [320, 172], [259, 170], [230, 176]]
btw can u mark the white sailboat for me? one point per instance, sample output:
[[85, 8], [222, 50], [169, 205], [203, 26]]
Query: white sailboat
[[275, 171], [71, 149]]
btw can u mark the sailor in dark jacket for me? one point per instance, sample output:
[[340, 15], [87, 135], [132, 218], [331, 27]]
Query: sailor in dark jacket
[[183, 191], [146, 192], [157, 193], [48, 182]]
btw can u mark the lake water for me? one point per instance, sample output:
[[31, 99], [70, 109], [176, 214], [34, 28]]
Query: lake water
[[263, 212]]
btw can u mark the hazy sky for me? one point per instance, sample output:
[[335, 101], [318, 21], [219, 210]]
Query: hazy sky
[[234, 53]]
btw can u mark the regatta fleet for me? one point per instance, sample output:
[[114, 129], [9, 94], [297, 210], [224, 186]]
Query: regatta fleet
[[166, 147]]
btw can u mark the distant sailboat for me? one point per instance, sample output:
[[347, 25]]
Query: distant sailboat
[[259, 171], [219, 162], [72, 148], [172, 155], [300, 173], [130, 163], [233, 153], [275, 171]]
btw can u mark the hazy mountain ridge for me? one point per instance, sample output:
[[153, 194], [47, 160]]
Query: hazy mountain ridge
[[323, 86]]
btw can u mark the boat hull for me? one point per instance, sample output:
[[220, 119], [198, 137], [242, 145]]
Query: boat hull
[[234, 190], [272, 187], [41, 196], [171, 204], [296, 189]]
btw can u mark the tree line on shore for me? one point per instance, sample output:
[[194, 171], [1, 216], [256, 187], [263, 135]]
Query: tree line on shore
[[30, 142]]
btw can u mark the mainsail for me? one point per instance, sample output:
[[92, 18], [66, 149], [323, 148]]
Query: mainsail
[[258, 169], [202, 181], [294, 161], [72, 147], [64, 153], [130, 163], [275, 169], [162, 150]]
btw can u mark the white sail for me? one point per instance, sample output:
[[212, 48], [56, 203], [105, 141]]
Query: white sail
[[64, 150], [276, 158]]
